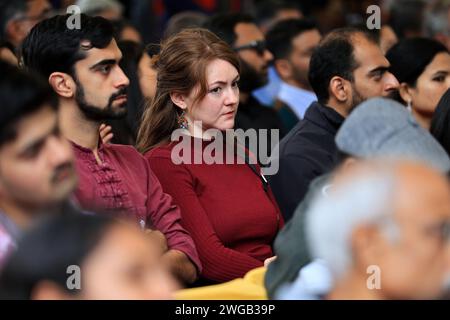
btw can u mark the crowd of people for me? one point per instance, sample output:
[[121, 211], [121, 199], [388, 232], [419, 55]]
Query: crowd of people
[[263, 154]]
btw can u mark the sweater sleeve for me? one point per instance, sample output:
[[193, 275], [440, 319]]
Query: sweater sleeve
[[220, 263], [166, 217]]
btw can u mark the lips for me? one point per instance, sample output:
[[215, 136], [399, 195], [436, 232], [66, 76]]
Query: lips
[[230, 113], [121, 97]]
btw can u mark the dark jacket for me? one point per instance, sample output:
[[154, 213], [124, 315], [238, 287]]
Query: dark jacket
[[290, 246], [307, 152]]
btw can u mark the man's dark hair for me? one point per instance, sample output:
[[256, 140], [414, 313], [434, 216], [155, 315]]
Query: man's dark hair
[[48, 249], [8, 10], [334, 57], [21, 94], [52, 47], [279, 38], [268, 9], [223, 25]]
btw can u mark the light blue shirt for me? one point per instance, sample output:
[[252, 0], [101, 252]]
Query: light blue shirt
[[267, 95], [297, 99]]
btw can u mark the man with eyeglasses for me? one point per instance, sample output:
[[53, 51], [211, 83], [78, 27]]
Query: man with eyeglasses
[[19, 16], [241, 33]]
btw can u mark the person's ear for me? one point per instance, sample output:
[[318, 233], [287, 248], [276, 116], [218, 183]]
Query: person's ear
[[283, 68], [179, 100], [340, 89], [48, 290], [62, 84], [405, 92], [368, 246]]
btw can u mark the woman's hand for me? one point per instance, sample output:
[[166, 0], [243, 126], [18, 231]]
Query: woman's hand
[[269, 260], [105, 133]]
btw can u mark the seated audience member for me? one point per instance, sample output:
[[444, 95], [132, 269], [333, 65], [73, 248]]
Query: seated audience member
[[37, 169], [292, 43], [382, 230], [19, 16], [85, 257], [422, 67], [267, 14], [377, 128], [347, 68], [82, 66], [243, 35], [227, 207]]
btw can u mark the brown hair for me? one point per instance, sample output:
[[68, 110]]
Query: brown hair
[[181, 67]]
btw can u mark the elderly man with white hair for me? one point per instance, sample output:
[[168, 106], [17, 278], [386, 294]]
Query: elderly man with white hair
[[383, 230]]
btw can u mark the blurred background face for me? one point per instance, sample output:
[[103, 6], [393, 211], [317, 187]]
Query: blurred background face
[[37, 168], [147, 76], [255, 63], [417, 264], [431, 85], [125, 265], [218, 108], [37, 11], [303, 46]]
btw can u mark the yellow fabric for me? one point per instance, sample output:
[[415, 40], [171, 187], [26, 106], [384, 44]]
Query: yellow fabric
[[251, 287]]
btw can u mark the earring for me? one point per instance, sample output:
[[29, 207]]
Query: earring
[[182, 122], [408, 106]]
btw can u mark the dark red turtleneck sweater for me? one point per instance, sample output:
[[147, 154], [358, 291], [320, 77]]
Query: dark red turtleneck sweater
[[225, 208]]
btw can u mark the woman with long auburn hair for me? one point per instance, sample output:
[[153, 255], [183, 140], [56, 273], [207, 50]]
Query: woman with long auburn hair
[[227, 207]]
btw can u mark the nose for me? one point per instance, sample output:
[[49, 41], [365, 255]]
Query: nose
[[121, 80], [232, 97], [391, 83]]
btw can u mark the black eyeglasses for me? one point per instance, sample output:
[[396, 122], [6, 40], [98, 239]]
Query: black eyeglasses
[[258, 46]]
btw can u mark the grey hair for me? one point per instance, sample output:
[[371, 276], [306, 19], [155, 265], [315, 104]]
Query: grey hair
[[436, 20], [333, 216]]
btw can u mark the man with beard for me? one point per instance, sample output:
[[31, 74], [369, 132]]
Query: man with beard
[[37, 171], [292, 43], [82, 66], [347, 68], [241, 33]]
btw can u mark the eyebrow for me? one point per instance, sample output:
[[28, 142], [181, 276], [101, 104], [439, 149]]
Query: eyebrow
[[106, 62], [224, 82], [381, 69], [41, 140], [440, 72]]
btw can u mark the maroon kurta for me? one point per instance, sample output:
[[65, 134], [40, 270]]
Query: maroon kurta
[[124, 183]]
